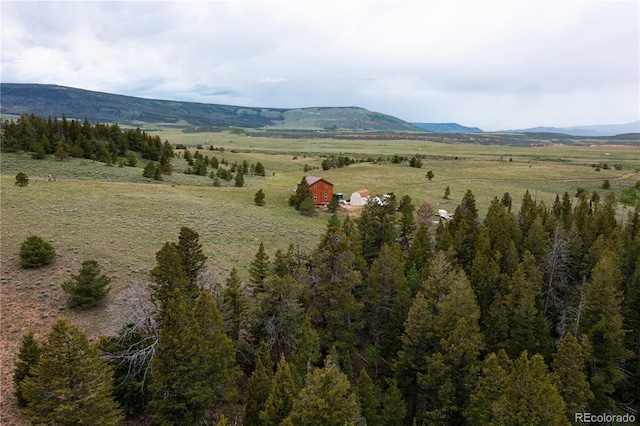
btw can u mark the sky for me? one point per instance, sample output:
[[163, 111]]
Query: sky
[[492, 64]]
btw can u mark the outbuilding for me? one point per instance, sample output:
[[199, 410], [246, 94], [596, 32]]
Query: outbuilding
[[359, 198]]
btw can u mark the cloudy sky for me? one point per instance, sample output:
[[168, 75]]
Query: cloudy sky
[[491, 64]]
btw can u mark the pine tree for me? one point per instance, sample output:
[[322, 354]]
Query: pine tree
[[191, 255], [259, 169], [601, 323], [258, 200], [259, 269], [325, 400], [454, 342], [307, 207], [278, 315], [28, 357], [258, 387], [462, 232], [217, 351], [504, 235], [518, 392], [235, 306], [194, 368], [71, 384], [407, 223], [394, 409], [36, 252], [149, 170], [386, 277], [280, 265], [420, 251], [169, 276], [88, 287], [536, 240], [484, 276], [376, 226], [334, 204], [239, 180], [284, 390], [334, 310], [514, 322], [307, 353], [528, 213], [368, 399], [303, 192], [569, 375]]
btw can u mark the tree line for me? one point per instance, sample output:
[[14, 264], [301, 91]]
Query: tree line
[[523, 317], [71, 138]]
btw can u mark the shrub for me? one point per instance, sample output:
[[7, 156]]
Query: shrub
[[259, 198], [88, 287], [132, 159], [22, 179], [307, 207], [36, 252], [606, 184], [149, 170]]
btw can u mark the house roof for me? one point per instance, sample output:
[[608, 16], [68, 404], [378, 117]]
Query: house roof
[[313, 179]]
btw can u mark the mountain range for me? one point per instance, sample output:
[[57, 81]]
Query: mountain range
[[52, 100], [589, 130]]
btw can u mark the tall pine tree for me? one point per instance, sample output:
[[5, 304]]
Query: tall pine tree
[[71, 384]]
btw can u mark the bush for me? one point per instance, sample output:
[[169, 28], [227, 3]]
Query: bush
[[307, 207], [606, 184], [22, 179], [36, 252], [88, 287], [259, 198], [149, 170]]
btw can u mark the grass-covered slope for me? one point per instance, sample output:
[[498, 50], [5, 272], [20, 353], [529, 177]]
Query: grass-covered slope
[[52, 100]]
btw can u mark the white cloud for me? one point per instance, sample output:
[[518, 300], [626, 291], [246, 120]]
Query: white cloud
[[492, 64]]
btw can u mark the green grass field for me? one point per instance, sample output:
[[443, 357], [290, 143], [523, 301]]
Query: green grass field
[[127, 214]]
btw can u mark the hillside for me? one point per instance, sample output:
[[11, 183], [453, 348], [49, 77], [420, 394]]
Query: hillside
[[52, 100], [447, 128]]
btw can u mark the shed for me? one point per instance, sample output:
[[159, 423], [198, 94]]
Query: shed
[[360, 198]]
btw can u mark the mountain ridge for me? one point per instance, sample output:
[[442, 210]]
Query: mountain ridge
[[54, 100], [597, 130], [447, 128]]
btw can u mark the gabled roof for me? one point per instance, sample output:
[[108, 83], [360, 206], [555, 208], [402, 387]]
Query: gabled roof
[[313, 179]]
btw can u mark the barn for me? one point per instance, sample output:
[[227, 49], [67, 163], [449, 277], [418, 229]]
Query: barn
[[321, 190]]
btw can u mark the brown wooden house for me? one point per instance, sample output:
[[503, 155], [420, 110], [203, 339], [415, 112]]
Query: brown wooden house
[[321, 190]]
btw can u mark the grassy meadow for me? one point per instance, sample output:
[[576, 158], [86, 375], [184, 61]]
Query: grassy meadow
[[121, 219]]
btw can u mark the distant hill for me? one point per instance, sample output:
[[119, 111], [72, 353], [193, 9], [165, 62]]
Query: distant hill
[[591, 130], [447, 128], [51, 100]]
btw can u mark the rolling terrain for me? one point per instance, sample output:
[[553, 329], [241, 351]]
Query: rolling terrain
[[51, 100]]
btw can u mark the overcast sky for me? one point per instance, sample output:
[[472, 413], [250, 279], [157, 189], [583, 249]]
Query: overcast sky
[[491, 64]]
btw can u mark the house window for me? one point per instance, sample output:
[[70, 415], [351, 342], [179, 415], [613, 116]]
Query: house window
[[315, 187], [315, 197], [326, 187], [326, 196]]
